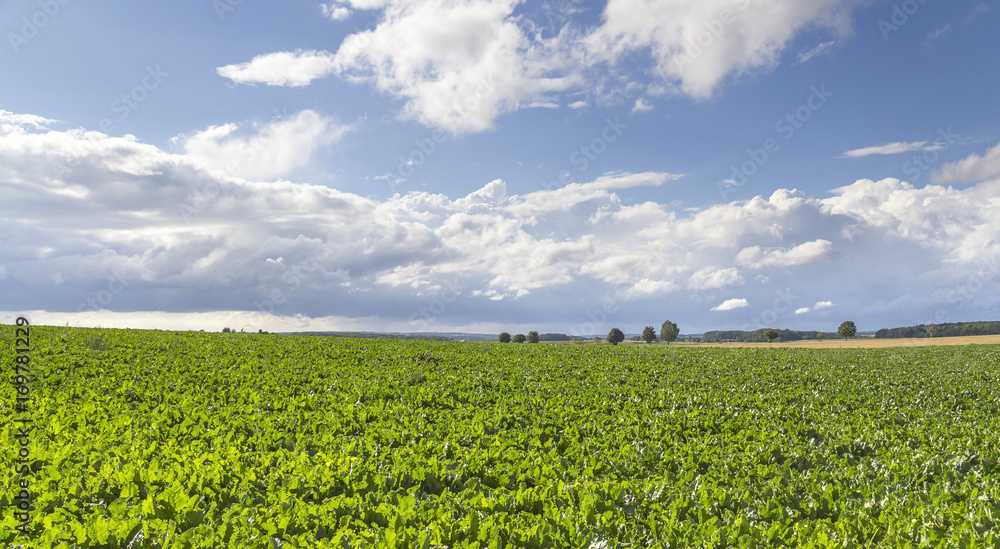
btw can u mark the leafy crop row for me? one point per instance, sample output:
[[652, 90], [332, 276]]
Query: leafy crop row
[[157, 439]]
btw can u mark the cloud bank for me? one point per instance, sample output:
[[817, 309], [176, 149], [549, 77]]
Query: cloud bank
[[124, 226]]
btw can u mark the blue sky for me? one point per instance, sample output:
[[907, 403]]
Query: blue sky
[[482, 166]]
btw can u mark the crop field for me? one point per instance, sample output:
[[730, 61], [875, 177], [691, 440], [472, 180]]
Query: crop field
[[163, 439]]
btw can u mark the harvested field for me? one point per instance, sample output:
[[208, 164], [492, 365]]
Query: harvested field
[[872, 343]]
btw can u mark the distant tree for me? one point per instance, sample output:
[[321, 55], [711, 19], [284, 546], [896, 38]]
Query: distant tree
[[226, 330], [821, 336], [669, 332], [847, 329], [532, 337], [930, 330], [504, 337], [519, 338], [648, 334], [615, 336], [771, 335], [597, 338]]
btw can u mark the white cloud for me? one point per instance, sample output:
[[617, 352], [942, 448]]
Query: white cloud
[[712, 278], [456, 64], [937, 33], [459, 64], [10, 122], [268, 151], [184, 238], [730, 304], [641, 106], [819, 305], [335, 12], [754, 257], [957, 223], [893, 148], [695, 45], [295, 69], [577, 104], [971, 169], [806, 56]]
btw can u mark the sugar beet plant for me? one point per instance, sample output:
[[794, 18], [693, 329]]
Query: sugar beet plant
[[157, 439]]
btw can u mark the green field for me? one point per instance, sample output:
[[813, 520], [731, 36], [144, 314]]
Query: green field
[[161, 439]]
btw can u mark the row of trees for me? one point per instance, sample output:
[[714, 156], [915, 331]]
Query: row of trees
[[845, 330], [228, 330], [669, 332], [532, 337]]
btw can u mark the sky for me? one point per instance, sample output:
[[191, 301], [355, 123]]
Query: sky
[[482, 166]]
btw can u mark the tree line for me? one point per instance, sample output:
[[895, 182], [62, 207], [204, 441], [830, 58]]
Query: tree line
[[668, 333], [953, 329]]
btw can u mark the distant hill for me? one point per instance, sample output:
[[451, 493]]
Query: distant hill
[[954, 329]]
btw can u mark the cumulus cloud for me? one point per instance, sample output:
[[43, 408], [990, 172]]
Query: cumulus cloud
[[122, 225], [730, 304], [264, 152], [712, 278], [754, 257], [971, 169], [335, 12], [11, 122], [285, 68], [819, 305], [695, 45], [641, 106], [459, 64]]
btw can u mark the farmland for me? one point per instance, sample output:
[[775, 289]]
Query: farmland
[[154, 439]]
